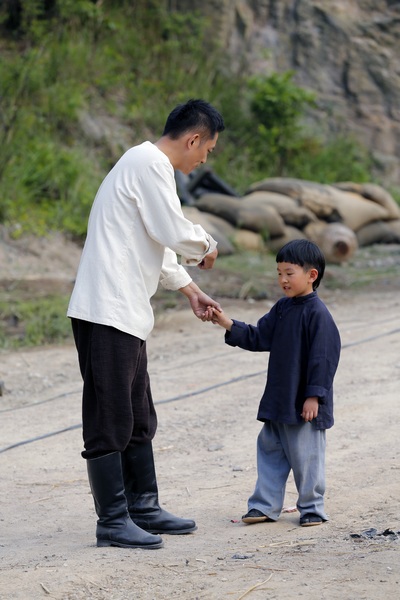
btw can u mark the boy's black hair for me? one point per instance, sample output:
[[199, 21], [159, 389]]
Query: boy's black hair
[[306, 254], [194, 114]]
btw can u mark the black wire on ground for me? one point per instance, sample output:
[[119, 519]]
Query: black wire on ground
[[181, 396], [40, 437], [63, 395]]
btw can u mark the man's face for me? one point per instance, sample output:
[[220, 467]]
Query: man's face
[[197, 152]]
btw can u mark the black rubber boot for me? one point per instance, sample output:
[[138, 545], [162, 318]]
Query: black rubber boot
[[114, 526], [142, 494]]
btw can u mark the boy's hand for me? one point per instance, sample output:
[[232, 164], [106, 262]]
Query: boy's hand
[[310, 409], [209, 314], [219, 318]]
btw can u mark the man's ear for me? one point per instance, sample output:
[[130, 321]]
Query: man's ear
[[193, 140]]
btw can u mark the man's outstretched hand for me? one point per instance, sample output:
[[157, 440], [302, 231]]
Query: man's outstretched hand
[[199, 301]]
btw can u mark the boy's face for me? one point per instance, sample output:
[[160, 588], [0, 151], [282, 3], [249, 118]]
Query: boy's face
[[294, 280]]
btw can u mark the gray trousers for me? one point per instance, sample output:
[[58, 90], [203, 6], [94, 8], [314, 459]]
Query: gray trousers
[[281, 448]]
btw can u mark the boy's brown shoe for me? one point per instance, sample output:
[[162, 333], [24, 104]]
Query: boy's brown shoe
[[255, 516]]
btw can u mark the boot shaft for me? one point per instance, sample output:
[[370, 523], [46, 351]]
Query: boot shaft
[[107, 487], [139, 469]]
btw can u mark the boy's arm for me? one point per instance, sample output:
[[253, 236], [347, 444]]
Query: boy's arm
[[255, 338]]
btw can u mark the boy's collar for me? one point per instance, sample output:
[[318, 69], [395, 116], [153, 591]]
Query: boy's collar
[[302, 299]]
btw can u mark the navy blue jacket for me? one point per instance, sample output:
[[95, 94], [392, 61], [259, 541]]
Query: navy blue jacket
[[304, 345]]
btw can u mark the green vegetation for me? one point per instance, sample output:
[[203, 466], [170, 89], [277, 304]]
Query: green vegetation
[[33, 322], [121, 66]]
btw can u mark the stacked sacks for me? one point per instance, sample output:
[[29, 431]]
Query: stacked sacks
[[250, 223], [337, 217], [315, 197], [348, 215], [337, 241], [385, 231], [272, 218], [315, 215]]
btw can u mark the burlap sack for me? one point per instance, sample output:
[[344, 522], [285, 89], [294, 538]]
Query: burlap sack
[[373, 192], [248, 240], [226, 228], [215, 226], [356, 211], [290, 211], [378, 194], [348, 186], [320, 199], [316, 197], [281, 185], [291, 233], [221, 205], [278, 201], [261, 219], [394, 226], [378, 232], [337, 241]]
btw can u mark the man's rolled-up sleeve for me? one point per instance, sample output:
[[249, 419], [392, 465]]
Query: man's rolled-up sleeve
[[173, 276]]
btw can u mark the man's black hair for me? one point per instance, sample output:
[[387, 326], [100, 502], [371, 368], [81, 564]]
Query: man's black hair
[[306, 254], [194, 114]]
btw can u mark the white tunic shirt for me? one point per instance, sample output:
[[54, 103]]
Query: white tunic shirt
[[136, 228]]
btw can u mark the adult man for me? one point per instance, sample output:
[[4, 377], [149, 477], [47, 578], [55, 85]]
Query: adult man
[[136, 229]]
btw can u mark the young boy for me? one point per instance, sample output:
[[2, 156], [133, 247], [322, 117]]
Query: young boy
[[297, 405]]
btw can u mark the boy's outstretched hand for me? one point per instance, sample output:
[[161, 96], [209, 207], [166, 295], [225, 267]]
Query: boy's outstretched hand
[[218, 317]]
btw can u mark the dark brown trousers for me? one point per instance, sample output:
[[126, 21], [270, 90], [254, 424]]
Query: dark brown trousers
[[117, 405]]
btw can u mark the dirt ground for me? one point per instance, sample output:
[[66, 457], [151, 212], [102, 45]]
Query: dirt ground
[[207, 397]]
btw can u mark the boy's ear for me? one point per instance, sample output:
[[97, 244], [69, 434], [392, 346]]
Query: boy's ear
[[313, 274]]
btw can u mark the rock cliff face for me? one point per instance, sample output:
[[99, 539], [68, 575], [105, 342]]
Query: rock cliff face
[[347, 51]]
